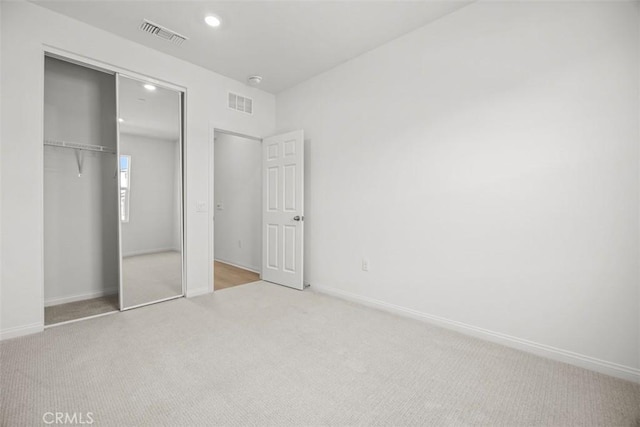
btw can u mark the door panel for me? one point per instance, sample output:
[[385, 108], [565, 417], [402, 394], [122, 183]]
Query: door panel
[[272, 189], [150, 178], [289, 248], [272, 247], [290, 188], [283, 209]]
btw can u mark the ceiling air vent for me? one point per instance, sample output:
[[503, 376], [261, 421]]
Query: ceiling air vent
[[162, 32], [240, 103]]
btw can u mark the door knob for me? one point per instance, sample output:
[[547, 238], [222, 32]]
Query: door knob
[[298, 218]]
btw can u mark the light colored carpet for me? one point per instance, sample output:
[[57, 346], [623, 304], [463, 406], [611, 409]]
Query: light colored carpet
[[79, 309], [226, 276], [151, 277], [262, 354]]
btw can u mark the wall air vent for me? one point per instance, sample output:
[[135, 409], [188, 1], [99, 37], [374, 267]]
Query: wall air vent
[[162, 32], [240, 103]]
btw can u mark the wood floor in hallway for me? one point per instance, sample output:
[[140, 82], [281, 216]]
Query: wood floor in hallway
[[227, 276]]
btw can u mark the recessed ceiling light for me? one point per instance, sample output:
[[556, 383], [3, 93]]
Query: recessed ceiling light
[[149, 87], [121, 120], [212, 21]]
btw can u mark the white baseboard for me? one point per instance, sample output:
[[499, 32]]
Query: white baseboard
[[79, 297], [149, 252], [197, 292], [21, 331], [576, 359], [244, 267]]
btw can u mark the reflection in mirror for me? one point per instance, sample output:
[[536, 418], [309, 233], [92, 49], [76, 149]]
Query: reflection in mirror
[[125, 162], [150, 178]]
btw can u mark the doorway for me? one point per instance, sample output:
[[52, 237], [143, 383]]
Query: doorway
[[237, 205]]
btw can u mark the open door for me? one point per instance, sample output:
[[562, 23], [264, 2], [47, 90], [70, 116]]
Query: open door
[[283, 209]]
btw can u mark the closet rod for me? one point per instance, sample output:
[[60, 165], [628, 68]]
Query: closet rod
[[77, 146]]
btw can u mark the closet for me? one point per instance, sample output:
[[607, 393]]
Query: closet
[[80, 192], [112, 192]]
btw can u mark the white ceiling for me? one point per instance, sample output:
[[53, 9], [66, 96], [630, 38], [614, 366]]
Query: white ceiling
[[286, 42], [154, 114]]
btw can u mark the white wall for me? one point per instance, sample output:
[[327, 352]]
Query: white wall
[[153, 195], [81, 212], [487, 167], [1, 120], [238, 188], [26, 29]]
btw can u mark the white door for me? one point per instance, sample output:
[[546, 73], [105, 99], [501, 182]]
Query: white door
[[283, 209]]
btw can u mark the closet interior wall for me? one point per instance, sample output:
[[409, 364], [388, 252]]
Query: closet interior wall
[[80, 187]]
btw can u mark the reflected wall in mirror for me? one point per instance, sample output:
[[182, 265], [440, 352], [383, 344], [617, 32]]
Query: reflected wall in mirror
[[150, 179]]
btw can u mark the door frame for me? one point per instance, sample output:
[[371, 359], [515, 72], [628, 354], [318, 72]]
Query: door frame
[[213, 128]]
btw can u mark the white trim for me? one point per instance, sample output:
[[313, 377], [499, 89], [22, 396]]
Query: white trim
[[144, 304], [80, 319], [120, 252], [40, 180], [210, 213], [79, 297], [20, 331], [248, 283], [239, 135], [244, 267], [198, 292], [183, 187], [609, 368], [149, 252], [106, 67]]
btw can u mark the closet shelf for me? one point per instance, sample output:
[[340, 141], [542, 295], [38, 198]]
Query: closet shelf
[[78, 146]]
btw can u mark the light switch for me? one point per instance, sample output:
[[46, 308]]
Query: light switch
[[219, 206], [201, 206]]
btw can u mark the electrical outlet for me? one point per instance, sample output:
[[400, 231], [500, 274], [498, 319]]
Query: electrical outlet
[[365, 264], [219, 206]]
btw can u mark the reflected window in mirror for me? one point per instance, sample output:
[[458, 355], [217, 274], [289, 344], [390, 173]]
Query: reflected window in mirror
[[125, 187]]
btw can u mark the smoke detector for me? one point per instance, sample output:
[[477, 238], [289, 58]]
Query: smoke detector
[[254, 80], [162, 32]]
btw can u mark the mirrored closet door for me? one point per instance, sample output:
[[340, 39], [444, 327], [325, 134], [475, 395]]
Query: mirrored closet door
[[150, 185]]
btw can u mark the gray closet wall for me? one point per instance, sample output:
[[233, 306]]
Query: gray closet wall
[[80, 209]]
